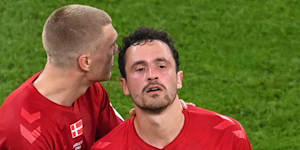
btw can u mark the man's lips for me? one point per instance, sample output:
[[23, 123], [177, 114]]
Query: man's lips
[[153, 87]]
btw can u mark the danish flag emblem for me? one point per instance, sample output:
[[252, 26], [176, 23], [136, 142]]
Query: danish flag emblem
[[76, 129]]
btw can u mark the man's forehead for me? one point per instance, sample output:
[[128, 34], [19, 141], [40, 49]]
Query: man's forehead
[[149, 48], [147, 43], [151, 51], [110, 31], [152, 48], [115, 33], [107, 36], [155, 60]]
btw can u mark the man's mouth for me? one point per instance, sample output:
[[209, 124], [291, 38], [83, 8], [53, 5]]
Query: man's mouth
[[153, 89]]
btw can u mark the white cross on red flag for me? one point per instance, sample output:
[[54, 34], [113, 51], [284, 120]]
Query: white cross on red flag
[[76, 129]]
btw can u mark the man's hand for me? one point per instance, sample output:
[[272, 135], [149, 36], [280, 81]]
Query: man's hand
[[132, 112], [185, 105]]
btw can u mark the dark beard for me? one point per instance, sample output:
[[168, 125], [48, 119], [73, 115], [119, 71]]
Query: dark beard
[[160, 109]]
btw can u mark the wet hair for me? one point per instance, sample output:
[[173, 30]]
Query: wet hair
[[71, 30], [141, 36]]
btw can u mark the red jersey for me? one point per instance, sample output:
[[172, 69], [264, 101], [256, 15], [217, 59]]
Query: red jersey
[[202, 130], [28, 120]]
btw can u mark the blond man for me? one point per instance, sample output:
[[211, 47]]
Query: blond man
[[64, 106]]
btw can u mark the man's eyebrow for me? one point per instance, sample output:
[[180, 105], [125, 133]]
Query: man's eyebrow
[[162, 59], [141, 62]]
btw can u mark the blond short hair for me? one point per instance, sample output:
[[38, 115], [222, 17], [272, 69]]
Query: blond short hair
[[70, 30]]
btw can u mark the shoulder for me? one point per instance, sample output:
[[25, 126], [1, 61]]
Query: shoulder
[[22, 93], [21, 117], [222, 128], [214, 121], [115, 139], [14, 106], [97, 90], [96, 94], [97, 87]]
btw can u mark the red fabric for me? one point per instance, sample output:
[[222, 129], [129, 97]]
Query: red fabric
[[203, 130], [28, 120]]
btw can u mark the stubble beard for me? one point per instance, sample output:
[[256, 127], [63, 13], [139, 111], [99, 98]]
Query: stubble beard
[[156, 108]]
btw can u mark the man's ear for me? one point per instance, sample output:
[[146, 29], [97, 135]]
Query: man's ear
[[179, 79], [124, 86], [84, 62]]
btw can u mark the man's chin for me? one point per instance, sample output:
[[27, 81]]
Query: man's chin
[[106, 78], [157, 103], [154, 109]]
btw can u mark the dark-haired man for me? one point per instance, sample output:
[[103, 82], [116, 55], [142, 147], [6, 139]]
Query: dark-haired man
[[150, 72]]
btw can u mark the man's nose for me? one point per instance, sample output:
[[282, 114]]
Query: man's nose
[[117, 49], [152, 74]]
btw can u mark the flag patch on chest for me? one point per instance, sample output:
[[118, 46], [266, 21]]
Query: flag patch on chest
[[76, 129]]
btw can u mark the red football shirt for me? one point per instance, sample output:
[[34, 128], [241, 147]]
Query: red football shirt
[[202, 130], [28, 120]]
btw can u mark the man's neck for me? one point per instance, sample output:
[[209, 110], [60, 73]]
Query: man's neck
[[161, 129], [61, 86]]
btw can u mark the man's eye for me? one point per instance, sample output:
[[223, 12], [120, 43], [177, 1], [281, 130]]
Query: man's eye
[[161, 66], [140, 69]]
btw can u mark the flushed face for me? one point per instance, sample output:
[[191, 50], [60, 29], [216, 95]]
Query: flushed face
[[103, 57], [151, 79]]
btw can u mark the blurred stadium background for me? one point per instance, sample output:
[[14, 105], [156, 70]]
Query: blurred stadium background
[[240, 58]]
